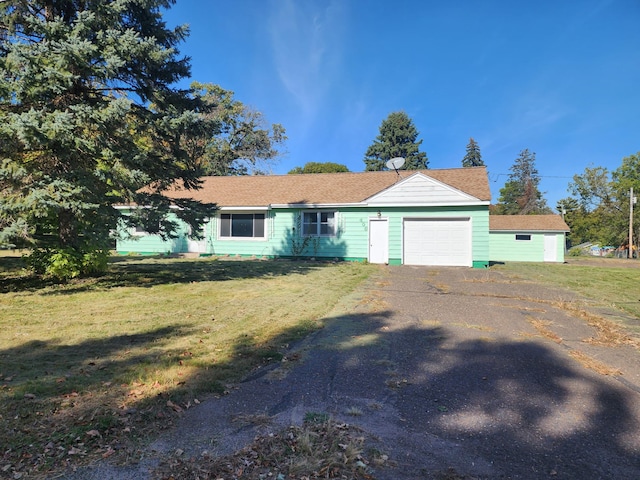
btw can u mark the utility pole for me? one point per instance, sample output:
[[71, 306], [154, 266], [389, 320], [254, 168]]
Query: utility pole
[[632, 200]]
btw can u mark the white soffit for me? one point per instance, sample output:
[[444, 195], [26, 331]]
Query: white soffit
[[420, 189]]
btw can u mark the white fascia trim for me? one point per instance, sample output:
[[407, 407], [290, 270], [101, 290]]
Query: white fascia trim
[[243, 209], [527, 231], [137, 207], [441, 204], [317, 205]]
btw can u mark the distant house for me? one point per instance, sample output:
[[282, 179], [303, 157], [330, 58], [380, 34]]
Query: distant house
[[527, 238], [427, 217]]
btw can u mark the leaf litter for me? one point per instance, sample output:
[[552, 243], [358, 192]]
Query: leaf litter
[[313, 450]]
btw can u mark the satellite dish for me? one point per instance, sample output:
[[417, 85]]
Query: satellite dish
[[395, 163]]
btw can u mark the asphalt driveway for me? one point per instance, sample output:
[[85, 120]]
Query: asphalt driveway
[[454, 373]]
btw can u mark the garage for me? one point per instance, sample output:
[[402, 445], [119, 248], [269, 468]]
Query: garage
[[437, 241]]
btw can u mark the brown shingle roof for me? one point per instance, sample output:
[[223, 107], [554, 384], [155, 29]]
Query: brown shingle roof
[[546, 223], [323, 188]]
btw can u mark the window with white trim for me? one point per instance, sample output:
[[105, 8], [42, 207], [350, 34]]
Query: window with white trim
[[139, 230], [242, 225], [319, 224]]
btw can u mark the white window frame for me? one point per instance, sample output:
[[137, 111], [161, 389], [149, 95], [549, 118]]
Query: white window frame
[[232, 238], [333, 223], [138, 231]]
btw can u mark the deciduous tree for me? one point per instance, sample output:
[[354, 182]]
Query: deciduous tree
[[599, 218], [398, 138], [317, 167], [243, 144], [604, 198]]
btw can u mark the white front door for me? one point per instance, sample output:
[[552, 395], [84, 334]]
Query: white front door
[[378, 240], [198, 246], [550, 247]]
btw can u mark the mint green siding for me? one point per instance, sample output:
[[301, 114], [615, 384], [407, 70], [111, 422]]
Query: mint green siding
[[351, 242], [148, 244], [356, 233], [505, 248]]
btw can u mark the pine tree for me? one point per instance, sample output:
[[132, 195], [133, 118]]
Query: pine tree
[[397, 138], [472, 158], [88, 115], [520, 194]]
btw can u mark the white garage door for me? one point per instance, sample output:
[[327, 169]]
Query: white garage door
[[437, 241]]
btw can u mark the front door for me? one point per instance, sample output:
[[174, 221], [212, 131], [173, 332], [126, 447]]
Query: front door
[[550, 248], [198, 246], [378, 240]]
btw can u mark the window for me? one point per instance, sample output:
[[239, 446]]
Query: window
[[319, 224], [247, 225], [138, 229], [522, 237]]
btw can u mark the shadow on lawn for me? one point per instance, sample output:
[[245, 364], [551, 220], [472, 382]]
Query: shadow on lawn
[[53, 368], [149, 272], [100, 396]]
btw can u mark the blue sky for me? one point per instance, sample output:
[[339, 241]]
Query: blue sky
[[561, 78]]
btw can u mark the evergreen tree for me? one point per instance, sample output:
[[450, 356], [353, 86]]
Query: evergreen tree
[[472, 158], [520, 194], [88, 115], [397, 138]]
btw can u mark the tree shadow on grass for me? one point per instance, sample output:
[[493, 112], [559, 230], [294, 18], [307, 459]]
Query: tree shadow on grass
[[64, 403], [53, 367], [150, 272], [53, 392]]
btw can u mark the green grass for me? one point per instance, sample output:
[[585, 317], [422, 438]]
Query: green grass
[[608, 283], [97, 365]]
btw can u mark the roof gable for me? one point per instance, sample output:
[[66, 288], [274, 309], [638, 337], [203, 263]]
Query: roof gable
[[420, 189]]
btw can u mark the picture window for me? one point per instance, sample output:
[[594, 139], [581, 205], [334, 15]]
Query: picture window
[[242, 225]]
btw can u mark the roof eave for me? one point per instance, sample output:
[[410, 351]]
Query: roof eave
[[316, 205], [474, 203], [535, 230]]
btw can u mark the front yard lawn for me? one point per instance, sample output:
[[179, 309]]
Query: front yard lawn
[[95, 367]]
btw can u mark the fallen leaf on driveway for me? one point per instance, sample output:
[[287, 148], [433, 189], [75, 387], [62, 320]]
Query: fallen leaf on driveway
[[175, 407]]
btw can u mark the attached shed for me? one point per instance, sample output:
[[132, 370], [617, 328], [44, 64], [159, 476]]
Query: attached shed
[[527, 238]]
